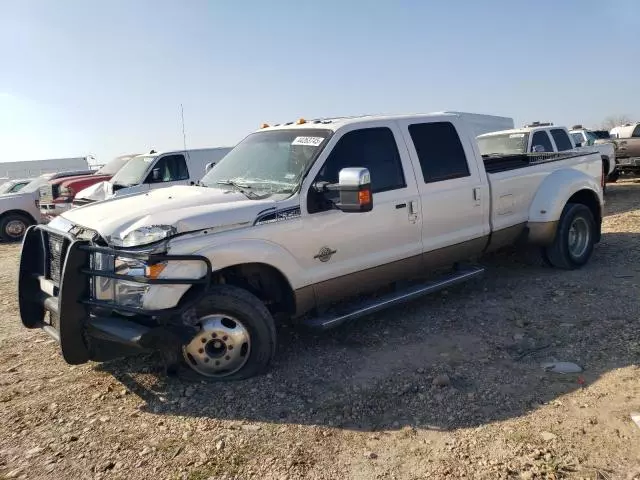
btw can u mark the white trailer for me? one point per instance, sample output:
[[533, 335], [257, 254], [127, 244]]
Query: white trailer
[[35, 168]]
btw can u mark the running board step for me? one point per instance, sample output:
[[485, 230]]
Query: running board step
[[370, 306]]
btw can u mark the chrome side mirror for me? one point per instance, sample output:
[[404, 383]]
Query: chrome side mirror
[[354, 186]]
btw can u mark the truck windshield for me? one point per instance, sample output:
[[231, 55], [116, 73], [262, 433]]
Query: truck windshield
[[134, 171], [114, 165], [503, 144], [270, 162]]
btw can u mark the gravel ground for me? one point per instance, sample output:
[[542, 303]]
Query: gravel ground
[[450, 386]]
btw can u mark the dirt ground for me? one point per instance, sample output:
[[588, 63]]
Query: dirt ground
[[450, 386]]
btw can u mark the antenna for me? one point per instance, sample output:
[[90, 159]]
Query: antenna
[[184, 135]]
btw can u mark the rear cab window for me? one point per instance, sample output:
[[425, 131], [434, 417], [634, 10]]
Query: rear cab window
[[541, 140], [440, 151], [562, 139]]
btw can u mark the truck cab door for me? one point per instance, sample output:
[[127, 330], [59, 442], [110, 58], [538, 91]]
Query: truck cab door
[[453, 188], [343, 254], [168, 170]]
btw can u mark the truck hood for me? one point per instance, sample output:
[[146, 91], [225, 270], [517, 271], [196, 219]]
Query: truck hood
[[71, 181], [94, 192], [186, 208]]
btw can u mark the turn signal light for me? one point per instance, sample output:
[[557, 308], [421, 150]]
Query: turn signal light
[[364, 197], [153, 271]]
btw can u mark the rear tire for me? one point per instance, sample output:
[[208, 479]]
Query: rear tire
[[575, 238], [237, 337], [13, 227]]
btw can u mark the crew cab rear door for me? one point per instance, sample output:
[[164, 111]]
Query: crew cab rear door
[[454, 191]]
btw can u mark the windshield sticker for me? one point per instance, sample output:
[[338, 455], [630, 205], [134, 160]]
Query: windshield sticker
[[516, 135], [308, 141], [290, 176]]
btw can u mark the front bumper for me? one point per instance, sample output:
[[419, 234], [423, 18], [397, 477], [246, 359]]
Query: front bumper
[[52, 210], [54, 294]]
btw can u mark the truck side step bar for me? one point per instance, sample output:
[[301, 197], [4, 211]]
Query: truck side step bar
[[368, 307]]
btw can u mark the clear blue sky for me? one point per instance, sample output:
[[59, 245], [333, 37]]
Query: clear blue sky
[[107, 77]]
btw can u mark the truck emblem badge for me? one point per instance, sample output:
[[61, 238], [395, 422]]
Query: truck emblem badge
[[325, 254]]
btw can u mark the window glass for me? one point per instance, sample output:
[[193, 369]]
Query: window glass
[[562, 139], [171, 169], [439, 150], [541, 139], [372, 148]]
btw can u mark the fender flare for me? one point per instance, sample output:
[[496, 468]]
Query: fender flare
[[556, 190]]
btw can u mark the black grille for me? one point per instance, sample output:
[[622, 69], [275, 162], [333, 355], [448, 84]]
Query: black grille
[[57, 253]]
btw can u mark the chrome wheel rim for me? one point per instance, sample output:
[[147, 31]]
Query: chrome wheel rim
[[579, 237], [15, 228], [220, 348]]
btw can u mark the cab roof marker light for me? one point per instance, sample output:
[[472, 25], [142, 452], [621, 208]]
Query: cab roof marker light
[[264, 125], [301, 121]]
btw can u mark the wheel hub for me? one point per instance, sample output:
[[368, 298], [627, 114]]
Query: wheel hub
[[220, 348], [579, 236], [15, 228]]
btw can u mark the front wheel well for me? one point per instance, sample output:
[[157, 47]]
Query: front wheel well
[[18, 212], [264, 281], [589, 199]]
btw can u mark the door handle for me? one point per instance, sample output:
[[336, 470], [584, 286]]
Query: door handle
[[477, 195], [401, 205]]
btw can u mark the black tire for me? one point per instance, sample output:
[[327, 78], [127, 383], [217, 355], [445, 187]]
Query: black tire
[[615, 175], [558, 254], [13, 226], [255, 318]]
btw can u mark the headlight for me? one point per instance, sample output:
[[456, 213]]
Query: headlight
[[122, 292], [143, 236]]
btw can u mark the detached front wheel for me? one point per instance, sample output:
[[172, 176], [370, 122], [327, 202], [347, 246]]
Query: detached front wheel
[[236, 338], [575, 238]]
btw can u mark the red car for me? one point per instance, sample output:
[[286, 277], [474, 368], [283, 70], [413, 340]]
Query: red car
[[57, 195]]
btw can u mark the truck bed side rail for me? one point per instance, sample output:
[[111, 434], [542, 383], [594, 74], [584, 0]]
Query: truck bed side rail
[[503, 163]]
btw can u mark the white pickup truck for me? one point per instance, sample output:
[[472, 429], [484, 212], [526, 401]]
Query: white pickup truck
[[301, 222], [545, 137]]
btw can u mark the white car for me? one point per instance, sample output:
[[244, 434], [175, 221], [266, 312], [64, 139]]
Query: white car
[[302, 221], [151, 171], [21, 209]]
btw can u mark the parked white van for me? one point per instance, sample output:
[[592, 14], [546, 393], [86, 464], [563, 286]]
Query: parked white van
[[154, 170]]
